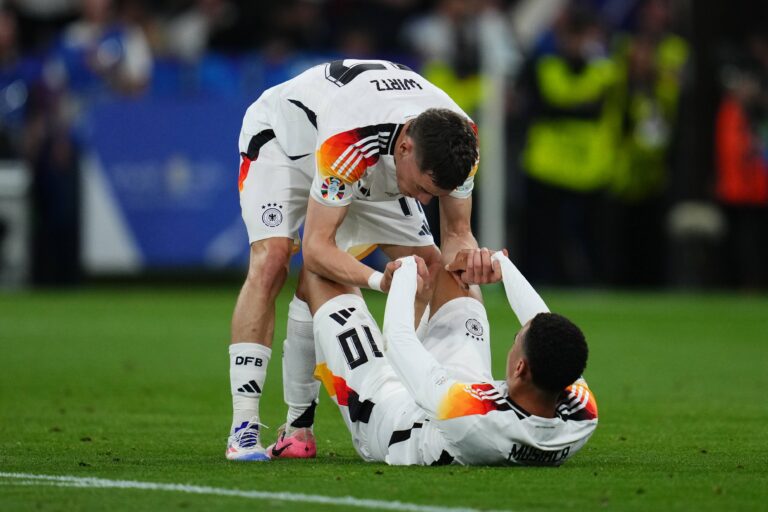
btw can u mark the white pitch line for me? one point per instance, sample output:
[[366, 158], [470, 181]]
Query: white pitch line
[[102, 483]]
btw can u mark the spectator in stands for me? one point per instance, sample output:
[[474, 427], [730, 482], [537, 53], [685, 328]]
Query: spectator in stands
[[31, 129], [650, 61], [54, 158], [569, 150], [372, 25], [189, 34], [145, 19], [448, 41], [741, 136], [97, 51], [19, 75], [299, 25], [40, 21]]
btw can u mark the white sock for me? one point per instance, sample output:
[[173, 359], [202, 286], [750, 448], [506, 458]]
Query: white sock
[[300, 389], [247, 372]]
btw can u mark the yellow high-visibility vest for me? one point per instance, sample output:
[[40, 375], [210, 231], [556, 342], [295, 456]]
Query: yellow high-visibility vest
[[570, 151]]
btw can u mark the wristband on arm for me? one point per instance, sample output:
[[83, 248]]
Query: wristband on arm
[[374, 281]]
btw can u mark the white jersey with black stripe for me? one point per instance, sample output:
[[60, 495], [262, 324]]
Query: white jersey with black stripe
[[348, 113], [476, 423]]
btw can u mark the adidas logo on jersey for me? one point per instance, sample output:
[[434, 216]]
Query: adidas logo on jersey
[[342, 316], [489, 393], [425, 229], [250, 387]]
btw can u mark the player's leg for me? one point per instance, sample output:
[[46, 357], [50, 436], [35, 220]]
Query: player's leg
[[446, 289], [295, 439], [273, 195], [300, 388], [253, 325], [400, 221], [351, 366], [457, 334], [299, 385]]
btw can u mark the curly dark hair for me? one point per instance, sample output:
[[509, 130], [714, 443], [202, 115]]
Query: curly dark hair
[[556, 351], [445, 145]]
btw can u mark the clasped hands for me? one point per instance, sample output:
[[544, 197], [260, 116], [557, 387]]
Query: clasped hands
[[469, 266]]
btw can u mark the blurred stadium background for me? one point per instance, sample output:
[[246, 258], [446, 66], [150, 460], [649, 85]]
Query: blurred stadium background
[[624, 145], [625, 142]]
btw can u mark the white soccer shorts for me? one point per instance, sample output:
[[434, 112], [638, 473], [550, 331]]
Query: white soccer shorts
[[459, 337], [273, 200]]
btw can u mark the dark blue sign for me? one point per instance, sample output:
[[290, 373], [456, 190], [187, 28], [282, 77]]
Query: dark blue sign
[[173, 168]]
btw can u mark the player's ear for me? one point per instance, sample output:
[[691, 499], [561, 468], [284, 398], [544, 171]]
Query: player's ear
[[521, 369], [406, 145]]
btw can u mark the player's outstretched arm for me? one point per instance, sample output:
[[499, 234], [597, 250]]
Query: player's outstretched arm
[[455, 229], [424, 378], [457, 238], [523, 299], [324, 258]]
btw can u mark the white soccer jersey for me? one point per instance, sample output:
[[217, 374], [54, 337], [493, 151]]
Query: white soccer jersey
[[478, 424], [348, 113], [474, 422], [409, 403]]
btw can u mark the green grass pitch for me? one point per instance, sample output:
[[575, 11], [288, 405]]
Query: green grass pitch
[[132, 384]]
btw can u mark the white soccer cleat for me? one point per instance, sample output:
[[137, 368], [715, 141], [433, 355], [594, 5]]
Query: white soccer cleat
[[244, 445]]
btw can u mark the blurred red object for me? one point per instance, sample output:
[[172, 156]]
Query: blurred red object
[[742, 169]]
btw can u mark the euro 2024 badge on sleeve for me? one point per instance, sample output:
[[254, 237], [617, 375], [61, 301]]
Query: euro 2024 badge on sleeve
[[333, 189]]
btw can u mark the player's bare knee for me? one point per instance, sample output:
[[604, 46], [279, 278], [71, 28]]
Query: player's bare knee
[[269, 263], [302, 287]]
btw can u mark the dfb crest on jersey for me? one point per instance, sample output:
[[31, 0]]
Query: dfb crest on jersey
[[474, 329], [333, 188], [272, 216]]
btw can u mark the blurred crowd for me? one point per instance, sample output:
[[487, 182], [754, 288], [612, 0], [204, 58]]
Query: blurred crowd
[[610, 105]]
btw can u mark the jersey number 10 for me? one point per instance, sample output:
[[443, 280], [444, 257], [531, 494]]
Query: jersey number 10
[[353, 349]]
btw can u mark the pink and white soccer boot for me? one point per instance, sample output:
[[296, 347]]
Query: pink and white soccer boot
[[299, 444]]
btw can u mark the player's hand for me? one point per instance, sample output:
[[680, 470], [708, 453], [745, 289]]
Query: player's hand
[[422, 273], [389, 272], [474, 266]]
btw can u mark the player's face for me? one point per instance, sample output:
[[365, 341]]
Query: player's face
[[411, 181], [422, 188]]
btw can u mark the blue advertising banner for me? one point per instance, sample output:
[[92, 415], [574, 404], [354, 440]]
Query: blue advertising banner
[[172, 167]]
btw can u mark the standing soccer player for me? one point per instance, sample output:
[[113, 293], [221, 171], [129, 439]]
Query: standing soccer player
[[349, 148]]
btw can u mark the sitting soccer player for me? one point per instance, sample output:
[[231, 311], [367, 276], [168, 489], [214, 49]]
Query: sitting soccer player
[[434, 401]]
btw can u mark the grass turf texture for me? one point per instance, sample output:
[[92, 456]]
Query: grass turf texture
[[132, 384]]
